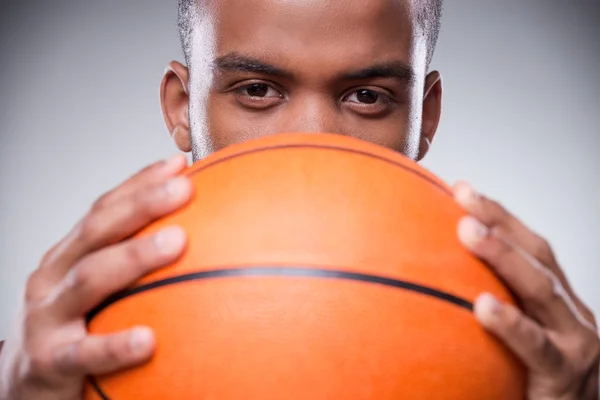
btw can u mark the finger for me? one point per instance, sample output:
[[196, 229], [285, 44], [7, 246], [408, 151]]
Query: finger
[[115, 268], [496, 217], [96, 355], [150, 175], [540, 292], [65, 252], [106, 226], [523, 336], [492, 214]]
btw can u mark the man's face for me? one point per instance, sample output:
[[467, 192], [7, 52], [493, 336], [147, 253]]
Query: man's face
[[260, 67]]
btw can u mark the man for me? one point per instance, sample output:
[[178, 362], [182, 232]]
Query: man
[[258, 67]]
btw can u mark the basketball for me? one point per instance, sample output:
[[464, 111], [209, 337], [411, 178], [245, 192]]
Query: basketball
[[318, 267]]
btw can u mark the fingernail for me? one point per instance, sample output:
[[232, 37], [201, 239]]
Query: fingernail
[[465, 194], [178, 187], [174, 163], [471, 231], [140, 340], [169, 240], [487, 305]]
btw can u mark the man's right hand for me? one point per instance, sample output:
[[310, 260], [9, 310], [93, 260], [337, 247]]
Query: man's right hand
[[50, 352]]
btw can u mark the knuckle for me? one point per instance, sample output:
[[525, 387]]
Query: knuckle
[[513, 321], [543, 291], [80, 277], [34, 320], [142, 198], [140, 256], [152, 193], [102, 202], [49, 255], [499, 251], [135, 253], [541, 249], [90, 228], [113, 353], [148, 201], [497, 210], [591, 316], [33, 287], [588, 314], [31, 318]]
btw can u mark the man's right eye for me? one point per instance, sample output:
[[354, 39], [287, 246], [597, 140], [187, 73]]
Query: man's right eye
[[261, 90], [258, 95]]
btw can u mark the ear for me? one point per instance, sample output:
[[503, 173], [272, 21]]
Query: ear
[[174, 100], [432, 109]]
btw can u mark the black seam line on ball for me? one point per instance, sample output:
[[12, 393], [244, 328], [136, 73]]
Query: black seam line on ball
[[97, 388], [325, 147], [283, 272], [277, 272]]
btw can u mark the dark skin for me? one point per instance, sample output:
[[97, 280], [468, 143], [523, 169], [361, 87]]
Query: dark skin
[[266, 80], [353, 68]]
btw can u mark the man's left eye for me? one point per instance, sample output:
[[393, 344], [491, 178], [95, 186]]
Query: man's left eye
[[365, 96]]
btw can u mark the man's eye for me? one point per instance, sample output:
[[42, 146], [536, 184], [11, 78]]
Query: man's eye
[[364, 96], [369, 102], [259, 90], [258, 96]]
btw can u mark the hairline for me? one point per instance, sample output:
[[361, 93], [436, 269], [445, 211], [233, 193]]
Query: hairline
[[428, 18]]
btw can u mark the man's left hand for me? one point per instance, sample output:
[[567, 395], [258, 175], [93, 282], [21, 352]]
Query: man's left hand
[[553, 333]]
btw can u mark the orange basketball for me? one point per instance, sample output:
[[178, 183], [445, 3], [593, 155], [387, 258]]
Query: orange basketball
[[319, 267]]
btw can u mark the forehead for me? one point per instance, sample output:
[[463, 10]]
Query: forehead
[[303, 33]]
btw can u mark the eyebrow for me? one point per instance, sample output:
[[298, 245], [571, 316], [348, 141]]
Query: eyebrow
[[238, 62], [396, 69]]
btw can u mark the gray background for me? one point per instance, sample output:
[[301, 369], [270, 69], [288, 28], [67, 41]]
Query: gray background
[[79, 113]]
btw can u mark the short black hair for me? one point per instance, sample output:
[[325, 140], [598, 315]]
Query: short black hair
[[429, 18]]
